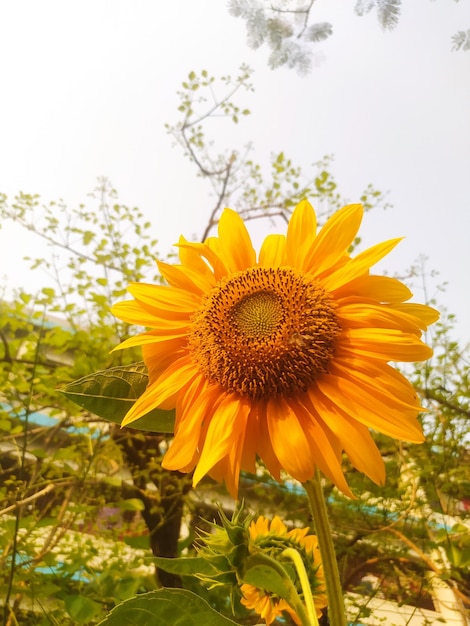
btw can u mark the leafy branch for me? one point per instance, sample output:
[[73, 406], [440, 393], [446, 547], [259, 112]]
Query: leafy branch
[[235, 178]]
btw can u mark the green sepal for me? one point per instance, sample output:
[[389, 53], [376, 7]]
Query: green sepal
[[236, 529]]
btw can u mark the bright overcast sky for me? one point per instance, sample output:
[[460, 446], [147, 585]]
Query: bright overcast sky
[[88, 85]]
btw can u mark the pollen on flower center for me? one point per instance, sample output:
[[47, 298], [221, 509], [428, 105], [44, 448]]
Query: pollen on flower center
[[265, 332]]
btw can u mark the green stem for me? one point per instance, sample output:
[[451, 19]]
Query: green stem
[[336, 614], [306, 590]]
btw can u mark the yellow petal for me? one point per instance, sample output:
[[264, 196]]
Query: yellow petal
[[250, 447], [159, 356], [301, 232], [184, 278], [324, 445], [334, 239], [379, 288], [260, 526], [359, 265], [223, 472], [277, 526], [301, 445], [361, 315], [370, 411], [289, 441], [273, 251], [153, 337], [353, 436], [135, 312], [191, 411], [380, 386], [227, 423], [380, 373], [161, 297], [425, 314], [206, 251], [191, 258], [235, 244], [132, 312], [387, 344], [169, 383], [229, 467], [263, 441]]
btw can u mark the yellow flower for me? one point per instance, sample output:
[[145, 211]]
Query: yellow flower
[[273, 537], [283, 356]]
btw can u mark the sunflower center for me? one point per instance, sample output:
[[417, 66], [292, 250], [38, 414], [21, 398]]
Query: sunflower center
[[265, 332], [258, 314]]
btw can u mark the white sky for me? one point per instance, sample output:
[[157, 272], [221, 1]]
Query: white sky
[[86, 87]]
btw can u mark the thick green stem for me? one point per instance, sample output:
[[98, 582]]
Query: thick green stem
[[336, 614]]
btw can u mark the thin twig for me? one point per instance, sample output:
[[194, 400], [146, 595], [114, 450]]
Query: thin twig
[[221, 197], [35, 496]]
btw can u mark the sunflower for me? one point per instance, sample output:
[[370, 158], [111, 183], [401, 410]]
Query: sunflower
[[272, 538], [282, 356]]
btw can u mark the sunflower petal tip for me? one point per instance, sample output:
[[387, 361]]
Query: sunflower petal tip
[[305, 204], [129, 418], [357, 206]]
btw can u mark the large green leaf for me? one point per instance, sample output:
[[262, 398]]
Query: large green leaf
[[212, 569], [81, 608], [190, 566], [111, 393], [165, 607]]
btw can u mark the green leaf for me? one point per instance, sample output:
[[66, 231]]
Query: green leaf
[[88, 237], [111, 393], [5, 424], [25, 297], [177, 607], [49, 589], [81, 608], [196, 565], [139, 542], [131, 504]]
